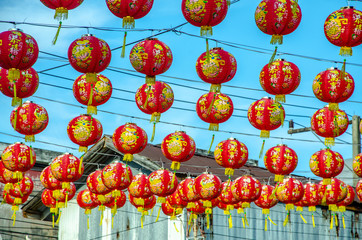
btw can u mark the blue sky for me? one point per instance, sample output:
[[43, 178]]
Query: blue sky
[[239, 28]]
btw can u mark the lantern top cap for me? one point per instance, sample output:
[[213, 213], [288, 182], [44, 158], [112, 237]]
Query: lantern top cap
[[15, 29], [151, 38], [279, 59], [180, 131], [127, 123], [87, 35], [347, 7], [231, 138], [281, 145], [266, 98], [332, 68], [217, 48]]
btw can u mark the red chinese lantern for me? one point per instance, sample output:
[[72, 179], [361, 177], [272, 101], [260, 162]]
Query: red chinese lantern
[[129, 10], [176, 202], [84, 201], [208, 187], [357, 165], [168, 210], [266, 115], [359, 190], [64, 195], [334, 193], [84, 131], [18, 157], [178, 147], [151, 57], [19, 51], [278, 18], [49, 181], [96, 185], [66, 168], [326, 164], [209, 205], [92, 94], [204, 14], [61, 7], [246, 189], [23, 87], [187, 191], [48, 200], [329, 124], [226, 196], [21, 189], [154, 98], [7, 177], [219, 68], [117, 176], [333, 86], [148, 204], [312, 197], [280, 160], [280, 78], [231, 154], [289, 192], [89, 55], [29, 119], [162, 183], [266, 200], [214, 108], [343, 29], [118, 202], [348, 200], [129, 139], [102, 199], [14, 201], [195, 210], [140, 188]]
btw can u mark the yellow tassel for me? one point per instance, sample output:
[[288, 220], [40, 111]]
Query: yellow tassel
[[161, 200], [276, 39], [15, 119], [230, 221], [313, 220], [214, 127], [87, 222], [153, 132], [65, 185], [29, 138], [240, 210], [31, 155], [331, 225], [264, 134], [286, 220], [229, 171], [299, 209], [17, 201], [279, 178], [61, 13], [207, 204], [57, 34], [142, 217], [128, 22], [212, 141], [206, 31], [262, 147], [265, 211], [14, 217], [66, 200], [333, 106], [56, 194], [342, 209], [60, 214], [245, 205], [289, 206], [112, 220], [92, 110], [101, 221], [343, 70], [280, 98], [336, 220], [158, 214], [80, 165], [116, 193], [243, 220], [282, 116], [128, 157], [147, 97], [173, 178], [329, 142], [123, 54], [344, 224], [90, 100], [140, 201], [15, 101], [175, 227], [13, 74], [271, 221], [346, 51], [266, 224], [175, 166], [208, 221], [207, 51], [312, 209], [150, 79], [246, 219], [190, 219], [215, 88], [127, 177], [82, 149], [228, 3], [303, 218], [273, 56], [326, 181], [53, 220]]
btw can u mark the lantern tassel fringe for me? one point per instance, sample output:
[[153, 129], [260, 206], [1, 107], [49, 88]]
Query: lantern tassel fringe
[[207, 204], [276, 39], [123, 53], [128, 22], [278, 178], [212, 141], [175, 166], [326, 181], [65, 185], [190, 205], [289, 207], [150, 79], [29, 138], [345, 51], [61, 13], [82, 149], [13, 74], [229, 171], [206, 31], [57, 33], [161, 200], [272, 221], [215, 88], [92, 110], [246, 219], [207, 51], [155, 117], [245, 205], [214, 127], [333, 106], [265, 134], [331, 224], [128, 157], [60, 214], [329, 142], [280, 98]]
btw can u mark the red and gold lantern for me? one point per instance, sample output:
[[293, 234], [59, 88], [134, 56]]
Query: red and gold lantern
[[329, 124], [196, 210], [214, 108], [280, 160], [266, 115], [96, 185], [204, 14], [48, 180], [187, 191], [208, 187], [21, 189], [129, 139], [64, 195], [162, 183], [326, 164], [343, 29], [278, 18], [8, 177], [23, 87], [357, 165], [118, 202], [289, 192], [151, 57], [176, 202], [280, 78], [85, 201], [18, 51], [219, 68], [334, 193], [29, 119], [129, 10], [141, 204], [140, 188], [50, 202], [66, 168], [117, 176], [333, 86], [231, 154], [61, 7], [168, 210], [226, 196], [246, 189], [89, 55], [84, 131], [18, 157], [92, 94], [178, 147], [266, 199], [154, 98], [348, 200]]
